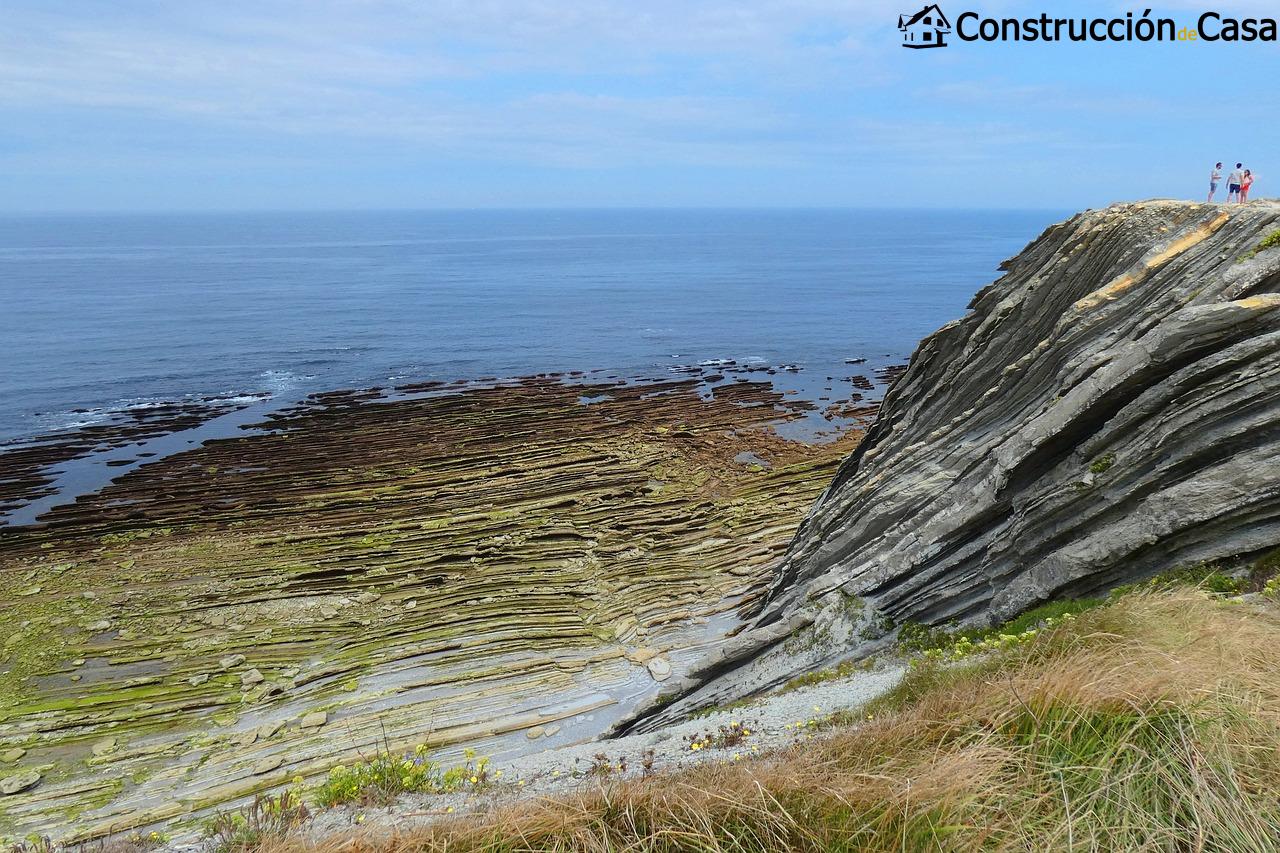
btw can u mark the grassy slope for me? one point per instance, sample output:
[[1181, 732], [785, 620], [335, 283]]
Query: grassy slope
[[1151, 723]]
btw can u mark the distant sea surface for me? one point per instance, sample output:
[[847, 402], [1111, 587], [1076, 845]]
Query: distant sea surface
[[99, 314]]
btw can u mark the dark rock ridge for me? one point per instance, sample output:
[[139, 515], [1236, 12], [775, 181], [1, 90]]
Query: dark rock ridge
[[1108, 409]]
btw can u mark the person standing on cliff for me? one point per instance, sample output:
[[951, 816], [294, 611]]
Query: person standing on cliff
[[1215, 175], [1233, 184], [1246, 181]]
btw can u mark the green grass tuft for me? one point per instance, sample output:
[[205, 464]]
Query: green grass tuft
[[844, 669], [1207, 576], [266, 820], [915, 638], [1103, 463], [1264, 569], [381, 779], [1270, 241]]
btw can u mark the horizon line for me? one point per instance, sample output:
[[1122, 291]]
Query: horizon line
[[520, 209]]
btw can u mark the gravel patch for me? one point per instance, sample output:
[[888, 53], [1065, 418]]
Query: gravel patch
[[774, 721]]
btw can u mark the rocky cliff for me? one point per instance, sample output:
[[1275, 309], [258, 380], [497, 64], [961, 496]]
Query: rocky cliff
[[1108, 409]]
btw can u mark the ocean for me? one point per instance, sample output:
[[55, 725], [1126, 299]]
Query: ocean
[[104, 313], [452, 563]]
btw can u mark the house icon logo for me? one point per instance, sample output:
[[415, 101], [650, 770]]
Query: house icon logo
[[926, 28]]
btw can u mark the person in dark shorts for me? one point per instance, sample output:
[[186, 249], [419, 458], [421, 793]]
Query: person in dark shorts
[[1233, 184]]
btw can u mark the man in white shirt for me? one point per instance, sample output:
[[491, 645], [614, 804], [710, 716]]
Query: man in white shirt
[[1214, 177], [1233, 183]]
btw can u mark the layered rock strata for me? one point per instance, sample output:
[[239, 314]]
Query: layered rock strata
[[459, 566], [1108, 409]]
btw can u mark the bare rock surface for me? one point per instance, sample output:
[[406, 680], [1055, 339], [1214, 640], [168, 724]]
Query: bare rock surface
[[1108, 409]]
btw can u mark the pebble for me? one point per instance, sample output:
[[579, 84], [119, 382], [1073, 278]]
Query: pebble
[[10, 756], [266, 765], [250, 677], [267, 730], [314, 720], [19, 783], [535, 732], [642, 655], [230, 661], [659, 668]]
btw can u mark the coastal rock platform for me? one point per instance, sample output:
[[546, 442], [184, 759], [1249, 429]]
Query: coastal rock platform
[[506, 567]]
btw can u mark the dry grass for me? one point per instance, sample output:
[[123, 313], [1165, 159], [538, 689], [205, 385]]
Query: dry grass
[[1152, 723]]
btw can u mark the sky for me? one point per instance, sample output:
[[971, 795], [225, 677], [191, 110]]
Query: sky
[[375, 104]]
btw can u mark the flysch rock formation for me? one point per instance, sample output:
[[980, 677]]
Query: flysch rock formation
[[502, 567], [1108, 409]]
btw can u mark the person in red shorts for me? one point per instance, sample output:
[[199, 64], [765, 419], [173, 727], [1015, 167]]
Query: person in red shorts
[[1246, 181]]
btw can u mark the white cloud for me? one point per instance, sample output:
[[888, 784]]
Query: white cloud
[[550, 82]]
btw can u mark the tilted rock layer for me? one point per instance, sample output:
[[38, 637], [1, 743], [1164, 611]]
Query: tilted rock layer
[[1108, 409]]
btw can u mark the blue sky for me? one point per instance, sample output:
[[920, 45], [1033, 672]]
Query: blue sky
[[515, 103]]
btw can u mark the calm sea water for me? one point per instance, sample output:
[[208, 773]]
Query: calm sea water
[[100, 313]]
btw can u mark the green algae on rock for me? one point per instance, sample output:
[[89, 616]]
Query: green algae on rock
[[442, 568]]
